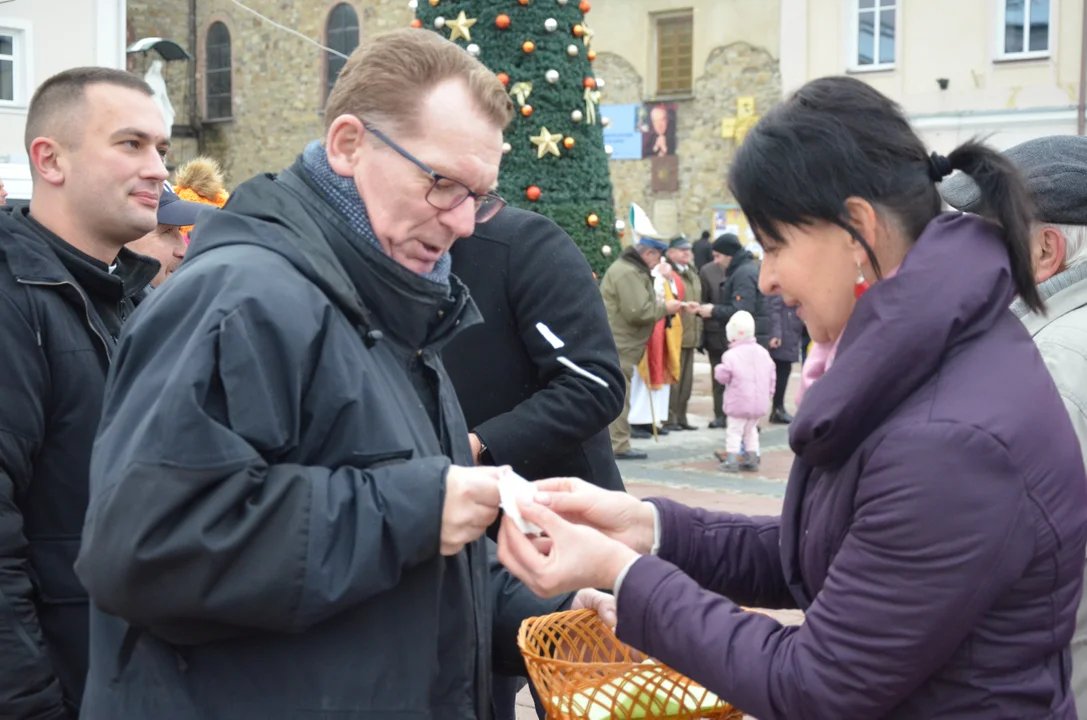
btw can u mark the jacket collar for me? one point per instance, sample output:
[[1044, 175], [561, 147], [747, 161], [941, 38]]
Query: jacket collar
[[1062, 294], [632, 256], [30, 258], [738, 260], [934, 296], [289, 215], [420, 312]]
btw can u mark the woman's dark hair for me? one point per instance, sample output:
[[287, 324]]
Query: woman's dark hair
[[837, 138]]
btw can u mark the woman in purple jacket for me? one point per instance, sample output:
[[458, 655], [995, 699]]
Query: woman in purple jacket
[[935, 519]]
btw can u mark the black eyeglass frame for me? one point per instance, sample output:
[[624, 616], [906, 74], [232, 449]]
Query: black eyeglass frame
[[487, 204]]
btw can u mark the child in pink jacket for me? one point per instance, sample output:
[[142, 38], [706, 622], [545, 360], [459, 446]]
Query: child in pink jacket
[[748, 374]]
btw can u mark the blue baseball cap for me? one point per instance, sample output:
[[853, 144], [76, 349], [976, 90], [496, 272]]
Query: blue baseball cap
[[175, 211], [655, 244]]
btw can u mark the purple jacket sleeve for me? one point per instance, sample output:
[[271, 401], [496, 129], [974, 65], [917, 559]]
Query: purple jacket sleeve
[[900, 596], [732, 555]]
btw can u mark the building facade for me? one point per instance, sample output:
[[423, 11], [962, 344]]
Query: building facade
[[1007, 70], [698, 59], [704, 70], [254, 94], [39, 38]]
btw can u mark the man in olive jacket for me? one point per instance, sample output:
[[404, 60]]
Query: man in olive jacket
[[633, 309], [680, 257]]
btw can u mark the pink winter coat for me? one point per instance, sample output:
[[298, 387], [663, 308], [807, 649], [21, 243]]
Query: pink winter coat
[[748, 374]]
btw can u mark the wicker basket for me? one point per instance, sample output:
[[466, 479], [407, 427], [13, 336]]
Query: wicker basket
[[582, 671]]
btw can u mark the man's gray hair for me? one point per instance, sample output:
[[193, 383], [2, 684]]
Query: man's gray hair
[[1075, 244]]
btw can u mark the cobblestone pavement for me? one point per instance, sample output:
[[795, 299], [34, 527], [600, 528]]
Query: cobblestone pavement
[[681, 466]]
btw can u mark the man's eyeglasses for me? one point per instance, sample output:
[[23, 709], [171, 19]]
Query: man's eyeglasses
[[447, 193]]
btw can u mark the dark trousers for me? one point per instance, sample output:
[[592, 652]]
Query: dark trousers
[[504, 694], [718, 388], [681, 391], [784, 370]]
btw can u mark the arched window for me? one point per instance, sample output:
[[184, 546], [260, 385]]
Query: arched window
[[217, 72], [341, 35]]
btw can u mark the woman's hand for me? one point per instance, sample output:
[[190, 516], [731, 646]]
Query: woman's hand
[[576, 557], [618, 515], [603, 603]]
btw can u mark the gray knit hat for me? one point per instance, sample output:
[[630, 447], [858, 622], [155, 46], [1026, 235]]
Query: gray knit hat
[[1055, 170]]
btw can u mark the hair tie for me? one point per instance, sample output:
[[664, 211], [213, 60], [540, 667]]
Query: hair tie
[[939, 167]]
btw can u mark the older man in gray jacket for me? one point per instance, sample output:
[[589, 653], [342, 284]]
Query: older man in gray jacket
[[1055, 168]]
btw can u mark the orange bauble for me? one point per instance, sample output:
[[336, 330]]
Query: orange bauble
[[589, 82], [526, 110], [584, 6], [578, 31], [533, 193], [502, 21], [504, 78], [568, 143], [523, 2], [593, 220], [592, 55], [528, 46], [417, 23]]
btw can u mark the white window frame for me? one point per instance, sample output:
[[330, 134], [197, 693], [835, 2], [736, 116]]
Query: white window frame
[[853, 46], [21, 32], [1001, 17]]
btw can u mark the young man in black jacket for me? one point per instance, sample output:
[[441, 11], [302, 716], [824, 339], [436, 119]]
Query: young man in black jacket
[[96, 140]]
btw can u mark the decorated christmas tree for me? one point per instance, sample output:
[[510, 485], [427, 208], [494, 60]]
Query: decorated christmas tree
[[555, 160]]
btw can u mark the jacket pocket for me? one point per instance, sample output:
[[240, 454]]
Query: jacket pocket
[[372, 461]]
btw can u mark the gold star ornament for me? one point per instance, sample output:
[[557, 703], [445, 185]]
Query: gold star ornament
[[545, 143], [461, 27]]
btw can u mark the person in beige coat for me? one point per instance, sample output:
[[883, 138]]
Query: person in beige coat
[[1055, 168], [633, 309]]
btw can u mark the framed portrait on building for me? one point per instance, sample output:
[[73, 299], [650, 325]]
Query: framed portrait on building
[[658, 126], [665, 170]]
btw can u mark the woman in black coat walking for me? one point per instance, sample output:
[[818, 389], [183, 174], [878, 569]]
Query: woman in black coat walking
[[786, 330]]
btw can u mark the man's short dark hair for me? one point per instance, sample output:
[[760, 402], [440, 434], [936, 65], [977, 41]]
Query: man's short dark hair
[[56, 99]]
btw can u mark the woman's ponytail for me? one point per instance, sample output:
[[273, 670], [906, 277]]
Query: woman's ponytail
[[1006, 201]]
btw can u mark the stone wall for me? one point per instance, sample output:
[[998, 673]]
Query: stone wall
[[732, 71], [278, 78]]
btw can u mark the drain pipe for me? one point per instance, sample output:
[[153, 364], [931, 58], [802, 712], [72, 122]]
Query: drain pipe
[[194, 103], [1080, 119]]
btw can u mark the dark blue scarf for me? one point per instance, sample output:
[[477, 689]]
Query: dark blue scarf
[[344, 196]]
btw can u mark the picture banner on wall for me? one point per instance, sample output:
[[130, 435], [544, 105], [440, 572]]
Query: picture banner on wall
[[622, 133], [657, 122], [730, 219]]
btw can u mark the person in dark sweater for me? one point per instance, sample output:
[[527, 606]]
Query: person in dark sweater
[[536, 415], [95, 139], [703, 251], [524, 408]]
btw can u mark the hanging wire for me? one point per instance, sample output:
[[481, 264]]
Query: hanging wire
[[292, 31]]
